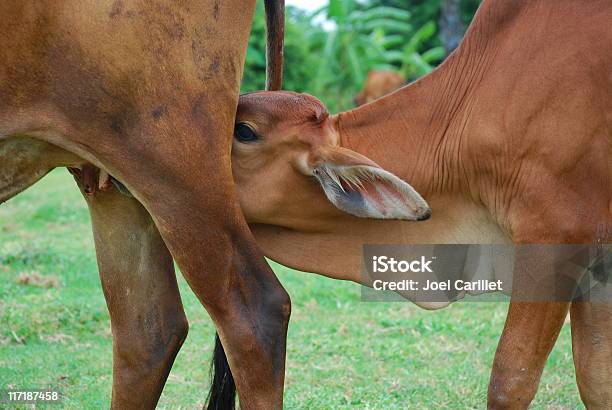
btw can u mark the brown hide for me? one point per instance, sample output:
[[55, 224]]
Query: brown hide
[[508, 141], [147, 91]]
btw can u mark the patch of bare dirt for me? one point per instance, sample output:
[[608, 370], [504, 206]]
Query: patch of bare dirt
[[38, 280]]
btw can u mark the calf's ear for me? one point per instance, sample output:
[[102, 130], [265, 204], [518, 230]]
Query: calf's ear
[[357, 185]]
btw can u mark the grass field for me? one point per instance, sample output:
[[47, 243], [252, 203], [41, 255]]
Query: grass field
[[342, 353]]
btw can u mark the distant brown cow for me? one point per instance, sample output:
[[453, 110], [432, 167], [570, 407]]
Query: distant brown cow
[[147, 91], [508, 141], [377, 84]]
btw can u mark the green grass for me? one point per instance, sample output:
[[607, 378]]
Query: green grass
[[342, 353]]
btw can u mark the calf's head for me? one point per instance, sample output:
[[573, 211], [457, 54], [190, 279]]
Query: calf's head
[[291, 170]]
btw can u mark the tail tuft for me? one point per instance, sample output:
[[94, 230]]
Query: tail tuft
[[222, 395]]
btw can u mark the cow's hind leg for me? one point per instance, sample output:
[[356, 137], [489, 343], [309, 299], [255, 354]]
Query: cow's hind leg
[[192, 200], [592, 346], [147, 318]]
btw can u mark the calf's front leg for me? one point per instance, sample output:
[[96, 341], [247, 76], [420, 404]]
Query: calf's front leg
[[529, 335], [543, 285], [139, 283], [592, 346]]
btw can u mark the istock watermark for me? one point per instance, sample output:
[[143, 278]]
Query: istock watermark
[[29, 396], [436, 275], [384, 264]]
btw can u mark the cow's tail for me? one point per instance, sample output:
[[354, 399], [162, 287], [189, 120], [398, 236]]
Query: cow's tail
[[222, 395], [275, 23]]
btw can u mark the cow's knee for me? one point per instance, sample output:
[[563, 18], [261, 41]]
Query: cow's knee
[[270, 313], [154, 349], [167, 348], [254, 294], [149, 355], [253, 330], [278, 305]]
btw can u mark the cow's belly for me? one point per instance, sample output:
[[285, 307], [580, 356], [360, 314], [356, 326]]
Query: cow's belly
[[24, 160]]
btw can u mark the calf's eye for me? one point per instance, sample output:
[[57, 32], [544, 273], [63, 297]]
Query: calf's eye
[[244, 133]]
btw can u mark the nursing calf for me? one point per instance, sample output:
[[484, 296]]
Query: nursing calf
[[507, 142]]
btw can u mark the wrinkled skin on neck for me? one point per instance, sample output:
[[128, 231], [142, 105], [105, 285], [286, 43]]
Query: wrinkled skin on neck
[[286, 204], [507, 141], [476, 139]]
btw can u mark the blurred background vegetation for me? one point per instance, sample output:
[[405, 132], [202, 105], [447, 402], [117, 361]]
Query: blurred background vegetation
[[329, 51]]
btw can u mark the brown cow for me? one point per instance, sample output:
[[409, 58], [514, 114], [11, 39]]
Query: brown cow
[[147, 91], [508, 141], [378, 84]]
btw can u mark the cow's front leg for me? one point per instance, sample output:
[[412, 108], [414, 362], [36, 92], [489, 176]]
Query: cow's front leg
[[592, 346], [147, 318]]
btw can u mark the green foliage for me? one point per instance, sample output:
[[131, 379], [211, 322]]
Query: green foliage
[[254, 77], [415, 63], [356, 44], [329, 52], [428, 10], [373, 38], [301, 41]]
